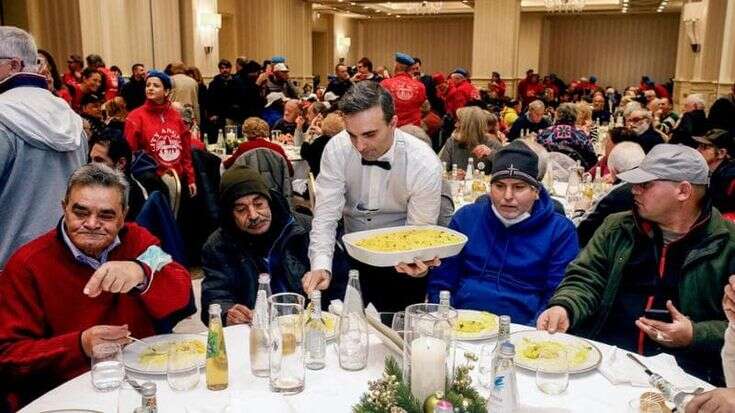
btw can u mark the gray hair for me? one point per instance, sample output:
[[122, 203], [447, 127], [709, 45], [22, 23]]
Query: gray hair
[[367, 95], [17, 43], [566, 114], [696, 100], [536, 105], [643, 112], [98, 174], [417, 132], [625, 156], [631, 107], [541, 152]]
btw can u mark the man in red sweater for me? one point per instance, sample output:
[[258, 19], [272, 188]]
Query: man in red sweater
[[94, 279], [460, 92], [408, 93]]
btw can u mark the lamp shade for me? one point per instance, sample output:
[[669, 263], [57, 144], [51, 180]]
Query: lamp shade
[[210, 20]]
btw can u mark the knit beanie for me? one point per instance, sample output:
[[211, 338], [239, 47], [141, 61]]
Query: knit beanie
[[516, 161], [239, 181], [165, 79]]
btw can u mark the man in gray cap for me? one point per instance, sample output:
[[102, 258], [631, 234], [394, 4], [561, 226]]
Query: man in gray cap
[[652, 279], [408, 93]]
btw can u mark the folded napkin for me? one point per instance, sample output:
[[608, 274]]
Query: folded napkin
[[619, 369], [390, 338]]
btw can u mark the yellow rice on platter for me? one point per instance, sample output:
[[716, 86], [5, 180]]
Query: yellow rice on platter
[[408, 240]]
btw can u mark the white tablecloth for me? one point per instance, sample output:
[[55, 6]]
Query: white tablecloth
[[329, 390]]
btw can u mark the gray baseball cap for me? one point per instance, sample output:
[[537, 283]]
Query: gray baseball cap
[[670, 163]]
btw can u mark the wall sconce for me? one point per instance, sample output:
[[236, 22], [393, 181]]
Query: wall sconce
[[210, 23], [691, 29], [692, 15], [344, 43]]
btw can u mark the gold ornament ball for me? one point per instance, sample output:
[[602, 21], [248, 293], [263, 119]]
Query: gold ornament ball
[[431, 402]]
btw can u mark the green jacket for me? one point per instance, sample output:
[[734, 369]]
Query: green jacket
[[591, 281]]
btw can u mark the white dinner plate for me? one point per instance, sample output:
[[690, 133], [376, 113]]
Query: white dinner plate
[[133, 351], [488, 332], [585, 355], [390, 259]]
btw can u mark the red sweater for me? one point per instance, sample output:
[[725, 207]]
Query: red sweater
[[257, 143], [159, 131], [457, 96], [408, 96], [44, 310]]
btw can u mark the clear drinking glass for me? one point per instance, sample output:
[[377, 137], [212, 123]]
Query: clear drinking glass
[[182, 367], [552, 374], [286, 355], [108, 370]]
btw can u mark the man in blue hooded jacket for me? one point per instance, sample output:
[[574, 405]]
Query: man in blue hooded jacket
[[518, 247]]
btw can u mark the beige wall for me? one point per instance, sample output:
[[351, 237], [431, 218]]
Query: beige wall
[[346, 27], [529, 44], [265, 28], [617, 49], [442, 43]]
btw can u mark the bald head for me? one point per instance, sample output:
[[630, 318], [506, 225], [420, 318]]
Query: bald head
[[291, 110]]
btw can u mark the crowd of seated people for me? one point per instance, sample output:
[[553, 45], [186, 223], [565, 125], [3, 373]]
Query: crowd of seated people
[[93, 172]]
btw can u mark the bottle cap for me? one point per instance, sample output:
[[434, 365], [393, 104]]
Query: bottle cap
[[444, 294], [508, 349], [149, 388], [215, 308], [264, 278], [354, 274], [504, 319], [315, 295]]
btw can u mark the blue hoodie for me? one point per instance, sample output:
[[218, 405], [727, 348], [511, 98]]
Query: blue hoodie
[[507, 271]]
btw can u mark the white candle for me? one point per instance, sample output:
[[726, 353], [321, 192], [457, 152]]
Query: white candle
[[428, 367]]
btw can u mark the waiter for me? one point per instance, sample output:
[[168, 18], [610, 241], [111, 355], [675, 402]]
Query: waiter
[[373, 175]]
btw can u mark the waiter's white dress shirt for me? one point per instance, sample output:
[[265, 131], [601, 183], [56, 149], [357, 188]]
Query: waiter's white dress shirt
[[370, 197]]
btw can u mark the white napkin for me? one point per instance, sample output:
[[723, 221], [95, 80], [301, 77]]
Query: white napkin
[[619, 369]]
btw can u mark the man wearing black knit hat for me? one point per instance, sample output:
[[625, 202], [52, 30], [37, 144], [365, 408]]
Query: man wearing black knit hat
[[518, 245], [258, 234]]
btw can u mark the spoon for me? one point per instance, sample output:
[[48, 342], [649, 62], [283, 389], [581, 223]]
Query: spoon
[[155, 348]]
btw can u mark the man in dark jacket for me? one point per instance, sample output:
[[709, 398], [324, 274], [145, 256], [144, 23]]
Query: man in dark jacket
[[259, 234], [640, 121], [342, 82], [533, 121], [134, 91], [716, 147], [692, 123], [672, 253], [221, 98]]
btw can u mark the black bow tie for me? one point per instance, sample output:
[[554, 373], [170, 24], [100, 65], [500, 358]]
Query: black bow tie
[[381, 164]]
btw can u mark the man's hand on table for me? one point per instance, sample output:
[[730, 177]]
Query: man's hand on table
[[417, 268], [678, 333], [239, 314], [115, 277], [554, 319], [103, 334], [717, 400], [316, 280]]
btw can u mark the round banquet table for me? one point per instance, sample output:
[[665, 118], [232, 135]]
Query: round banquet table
[[329, 390]]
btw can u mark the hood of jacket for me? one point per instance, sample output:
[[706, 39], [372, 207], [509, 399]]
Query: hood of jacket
[[30, 111]]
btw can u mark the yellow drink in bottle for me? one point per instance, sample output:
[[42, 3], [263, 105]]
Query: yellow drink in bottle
[[216, 368]]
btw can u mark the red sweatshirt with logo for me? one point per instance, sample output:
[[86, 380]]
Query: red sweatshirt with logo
[[159, 130]]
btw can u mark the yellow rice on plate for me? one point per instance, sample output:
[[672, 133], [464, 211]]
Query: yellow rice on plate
[[408, 240]]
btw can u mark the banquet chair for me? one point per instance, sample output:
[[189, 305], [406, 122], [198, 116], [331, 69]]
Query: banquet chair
[[172, 181]]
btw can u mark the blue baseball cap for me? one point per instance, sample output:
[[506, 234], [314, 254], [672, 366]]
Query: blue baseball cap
[[404, 59], [165, 79], [278, 59], [461, 71]]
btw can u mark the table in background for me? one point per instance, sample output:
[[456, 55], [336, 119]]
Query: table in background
[[329, 390]]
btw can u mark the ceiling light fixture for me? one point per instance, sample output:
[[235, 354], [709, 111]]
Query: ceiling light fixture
[[564, 6], [425, 7]]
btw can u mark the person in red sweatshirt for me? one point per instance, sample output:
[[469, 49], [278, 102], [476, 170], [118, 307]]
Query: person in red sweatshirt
[[408, 93], [460, 91], [94, 279], [256, 131], [158, 129]]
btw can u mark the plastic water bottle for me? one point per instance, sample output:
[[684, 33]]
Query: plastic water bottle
[[504, 393]]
